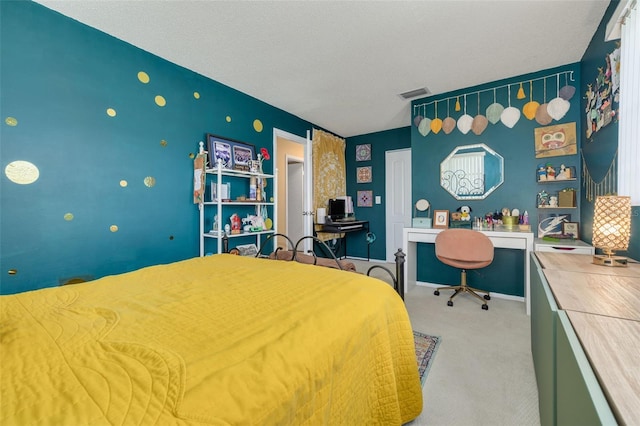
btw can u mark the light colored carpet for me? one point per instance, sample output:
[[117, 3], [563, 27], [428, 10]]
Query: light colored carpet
[[483, 372]]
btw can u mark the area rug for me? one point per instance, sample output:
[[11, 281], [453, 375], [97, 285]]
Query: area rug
[[426, 347]]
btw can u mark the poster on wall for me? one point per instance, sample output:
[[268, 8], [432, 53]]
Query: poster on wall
[[602, 94], [557, 140]]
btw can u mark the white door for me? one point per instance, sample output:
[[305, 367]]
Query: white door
[[398, 206], [295, 199]]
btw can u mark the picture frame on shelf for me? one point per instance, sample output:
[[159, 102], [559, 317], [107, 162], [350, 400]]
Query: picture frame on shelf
[[234, 155], [441, 219], [571, 228]]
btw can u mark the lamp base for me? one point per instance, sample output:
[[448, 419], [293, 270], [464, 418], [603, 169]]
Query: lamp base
[[605, 260]]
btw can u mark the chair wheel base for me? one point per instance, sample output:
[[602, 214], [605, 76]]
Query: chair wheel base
[[487, 297], [449, 303], [437, 293], [485, 307]]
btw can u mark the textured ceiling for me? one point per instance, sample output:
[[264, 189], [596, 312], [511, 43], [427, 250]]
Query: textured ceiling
[[342, 64]]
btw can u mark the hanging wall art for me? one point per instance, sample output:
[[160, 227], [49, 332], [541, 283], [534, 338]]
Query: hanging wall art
[[554, 141]]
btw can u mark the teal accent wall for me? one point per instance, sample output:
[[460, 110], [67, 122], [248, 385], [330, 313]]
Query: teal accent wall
[[516, 145], [600, 148], [59, 77], [380, 143]]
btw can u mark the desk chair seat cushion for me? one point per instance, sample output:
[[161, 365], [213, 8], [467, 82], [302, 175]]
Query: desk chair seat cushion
[[464, 248]]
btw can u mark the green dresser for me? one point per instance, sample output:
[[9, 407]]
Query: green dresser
[[585, 331]]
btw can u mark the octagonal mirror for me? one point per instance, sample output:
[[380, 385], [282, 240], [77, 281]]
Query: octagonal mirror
[[472, 172]]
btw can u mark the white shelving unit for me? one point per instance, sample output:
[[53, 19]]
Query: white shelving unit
[[223, 208]]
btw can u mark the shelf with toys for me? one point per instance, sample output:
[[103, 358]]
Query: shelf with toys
[[226, 195], [564, 198]]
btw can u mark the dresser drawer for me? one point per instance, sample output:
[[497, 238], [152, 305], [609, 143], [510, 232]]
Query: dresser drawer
[[569, 247]]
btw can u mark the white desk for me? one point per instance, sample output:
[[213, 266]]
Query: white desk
[[500, 239]]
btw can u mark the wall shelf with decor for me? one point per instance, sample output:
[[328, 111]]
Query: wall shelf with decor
[[241, 199]]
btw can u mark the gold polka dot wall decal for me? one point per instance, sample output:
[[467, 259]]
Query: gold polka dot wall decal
[[160, 101], [124, 183], [113, 228], [11, 121], [22, 172], [192, 155], [196, 95], [12, 271], [150, 181], [163, 143], [228, 119], [257, 125], [111, 112], [68, 217], [143, 77]]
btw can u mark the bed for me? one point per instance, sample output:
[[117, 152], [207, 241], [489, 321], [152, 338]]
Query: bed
[[219, 340]]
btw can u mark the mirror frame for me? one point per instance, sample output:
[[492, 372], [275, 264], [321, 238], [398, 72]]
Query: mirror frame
[[487, 191]]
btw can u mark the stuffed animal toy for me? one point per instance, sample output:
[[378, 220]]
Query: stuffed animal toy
[[465, 212]]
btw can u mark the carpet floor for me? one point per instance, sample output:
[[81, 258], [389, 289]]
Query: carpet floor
[[426, 347]]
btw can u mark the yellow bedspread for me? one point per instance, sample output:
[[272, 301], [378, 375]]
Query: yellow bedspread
[[216, 340]]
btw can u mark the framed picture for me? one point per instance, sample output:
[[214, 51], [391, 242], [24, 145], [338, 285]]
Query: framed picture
[[365, 198], [553, 141], [571, 228], [363, 174], [441, 218], [363, 152], [232, 155]]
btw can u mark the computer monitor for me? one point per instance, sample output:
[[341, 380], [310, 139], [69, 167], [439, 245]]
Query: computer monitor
[[336, 209]]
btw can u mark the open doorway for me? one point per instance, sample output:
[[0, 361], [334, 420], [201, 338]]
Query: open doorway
[[292, 154]]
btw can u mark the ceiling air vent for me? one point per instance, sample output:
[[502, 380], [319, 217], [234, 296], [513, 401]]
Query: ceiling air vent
[[423, 91]]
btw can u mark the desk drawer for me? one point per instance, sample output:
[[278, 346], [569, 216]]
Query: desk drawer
[[559, 248]]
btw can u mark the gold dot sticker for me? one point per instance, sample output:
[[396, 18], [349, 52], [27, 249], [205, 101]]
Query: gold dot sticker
[[160, 101], [228, 119], [12, 271], [150, 181], [257, 125], [22, 172], [143, 77], [163, 143], [111, 112], [192, 155], [68, 217], [113, 228], [124, 183], [196, 95], [11, 121]]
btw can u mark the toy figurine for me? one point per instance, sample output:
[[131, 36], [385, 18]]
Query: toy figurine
[[543, 198], [236, 223], [551, 172], [553, 201], [542, 173]]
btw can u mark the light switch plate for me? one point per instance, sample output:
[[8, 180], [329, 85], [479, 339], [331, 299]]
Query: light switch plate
[[378, 199]]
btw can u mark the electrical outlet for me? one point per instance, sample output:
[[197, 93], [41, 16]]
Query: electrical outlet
[[378, 199]]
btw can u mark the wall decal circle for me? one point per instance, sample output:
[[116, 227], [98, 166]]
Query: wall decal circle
[[143, 77], [150, 181], [113, 228], [68, 217], [11, 121], [111, 112], [124, 183], [160, 100], [196, 95], [22, 172], [228, 119], [257, 125]]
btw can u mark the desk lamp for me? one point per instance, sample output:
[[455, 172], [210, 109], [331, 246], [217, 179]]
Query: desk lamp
[[611, 229]]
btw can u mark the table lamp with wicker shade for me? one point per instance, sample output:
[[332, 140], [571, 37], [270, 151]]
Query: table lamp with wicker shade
[[611, 229]]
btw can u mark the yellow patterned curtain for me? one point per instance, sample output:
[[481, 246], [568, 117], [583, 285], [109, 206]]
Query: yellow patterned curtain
[[329, 174], [329, 171]]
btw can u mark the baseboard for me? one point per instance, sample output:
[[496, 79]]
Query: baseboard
[[493, 294]]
